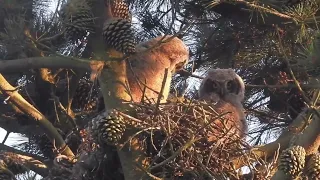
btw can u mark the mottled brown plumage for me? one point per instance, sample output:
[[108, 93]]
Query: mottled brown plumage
[[147, 68]]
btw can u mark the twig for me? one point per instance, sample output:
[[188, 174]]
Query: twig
[[164, 82], [6, 137], [187, 145], [131, 118], [290, 70], [137, 133], [148, 173], [254, 6], [185, 73], [36, 115], [311, 86]]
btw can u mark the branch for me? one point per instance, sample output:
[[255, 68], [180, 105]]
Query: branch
[[311, 86], [6, 148], [262, 9], [113, 80], [47, 62], [309, 139], [14, 160], [243, 10], [30, 110]]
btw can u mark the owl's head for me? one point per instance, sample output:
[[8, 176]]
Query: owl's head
[[173, 48], [224, 84]]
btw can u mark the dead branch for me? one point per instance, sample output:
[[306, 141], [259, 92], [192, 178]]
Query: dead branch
[[47, 62], [31, 111], [19, 160]]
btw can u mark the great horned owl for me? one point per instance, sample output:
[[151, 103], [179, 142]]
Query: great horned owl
[[147, 70], [225, 90]]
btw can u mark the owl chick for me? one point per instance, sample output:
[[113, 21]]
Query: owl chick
[[146, 71], [225, 90]]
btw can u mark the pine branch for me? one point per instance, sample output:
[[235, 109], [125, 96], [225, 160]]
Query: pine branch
[[12, 66], [31, 111], [22, 159]]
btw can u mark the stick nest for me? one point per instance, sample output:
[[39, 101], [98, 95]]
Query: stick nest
[[186, 138]]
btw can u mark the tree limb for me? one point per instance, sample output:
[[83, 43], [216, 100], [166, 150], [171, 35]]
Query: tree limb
[[113, 83], [309, 139], [6, 148], [30, 110], [12, 66], [17, 160], [244, 10]]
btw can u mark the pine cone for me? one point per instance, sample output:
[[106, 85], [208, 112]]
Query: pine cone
[[78, 20], [120, 9], [292, 160], [119, 35], [313, 167], [85, 97], [108, 128]]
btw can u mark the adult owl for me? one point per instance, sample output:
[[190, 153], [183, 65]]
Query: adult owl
[[224, 90], [146, 72]]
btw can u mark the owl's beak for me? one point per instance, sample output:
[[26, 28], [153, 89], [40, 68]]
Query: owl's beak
[[222, 92]]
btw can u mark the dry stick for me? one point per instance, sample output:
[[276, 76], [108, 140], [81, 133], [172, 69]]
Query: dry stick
[[31, 161], [46, 62], [148, 173], [64, 110], [6, 137], [296, 82], [139, 132], [306, 99], [132, 118], [28, 109], [254, 6], [187, 145], [164, 81], [312, 86]]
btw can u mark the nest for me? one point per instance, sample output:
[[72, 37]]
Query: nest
[[187, 138], [182, 140]]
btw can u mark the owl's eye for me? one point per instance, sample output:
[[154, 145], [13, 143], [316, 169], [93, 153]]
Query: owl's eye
[[179, 66], [232, 87], [211, 86]]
